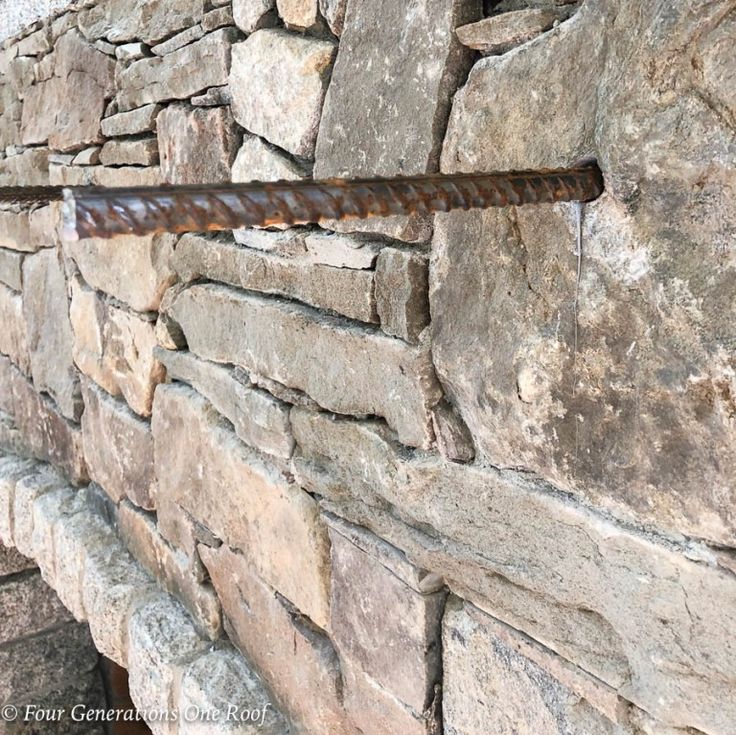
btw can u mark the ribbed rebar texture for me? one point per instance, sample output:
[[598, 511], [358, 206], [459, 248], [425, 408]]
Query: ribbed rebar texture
[[93, 212], [26, 195]]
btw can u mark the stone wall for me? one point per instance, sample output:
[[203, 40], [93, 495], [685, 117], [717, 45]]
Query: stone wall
[[408, 475]]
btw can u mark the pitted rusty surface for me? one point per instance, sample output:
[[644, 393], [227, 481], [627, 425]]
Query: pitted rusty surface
[[100, 212]]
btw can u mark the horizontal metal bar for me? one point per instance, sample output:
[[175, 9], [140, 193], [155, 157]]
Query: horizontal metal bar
[[105, 212]]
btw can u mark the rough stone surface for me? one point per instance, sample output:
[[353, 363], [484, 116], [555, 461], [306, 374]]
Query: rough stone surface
[[619, 407], [106, 176], [67, 655], [381, 626], [259, 161], [15, 230], [46, 432], [88, 157], [296, 660], [147, 20], [135, 270], [512, 693], [213, 97], [298, 14], [114, 347], [278, 526], [179, 40], [49, 331], [118, 448], [197, 146], [12, 469], [408, 64], [162, 642], [258, 418], [141, 120], [131, 51], [170, 567], [278, 82], [500, 33], [369, 374], [220, 681], [113, 586], [217, 18], [549, 567], [13, 341], [412, 228], [29, 607], [287, 243], [178, 75], [341, 290], [402, 288], [333, 12], [342, 251], [43, 479], [250, 15], [13, 562], [29, 168], [66, 109], [454, 441], [139, 152]]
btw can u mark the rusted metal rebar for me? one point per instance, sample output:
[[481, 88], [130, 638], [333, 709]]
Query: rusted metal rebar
[[26, 195], [100, 212]]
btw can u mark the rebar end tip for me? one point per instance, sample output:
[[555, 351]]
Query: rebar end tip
[[69, 217]]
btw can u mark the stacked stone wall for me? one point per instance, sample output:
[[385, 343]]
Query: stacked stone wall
[[406, 475]]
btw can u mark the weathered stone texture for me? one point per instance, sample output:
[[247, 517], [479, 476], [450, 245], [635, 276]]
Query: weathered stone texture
[[258, 418], [333, 12], [243, 500], [47, 434], [386, 631], [407, 63], [13, 341], [222, 682], [13, 562], [49, 331], [341, 290], [197, 146], [114, 347], [511, 693], [15, 230], [178, 75], [342, 251], [118, 448], [147, 20], [502, 32], [139, 152], [630, 407], [29, 607], [135, 270], [162, 642], [369, 373], [296, 661], [402, 286], [172, 568], [66, 109], [179, 40], [278, 82], [544, 565], [106, 176], [141, 120], [258, 161], [250, 15], [41, 480], [298, 14], [29, 168]]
